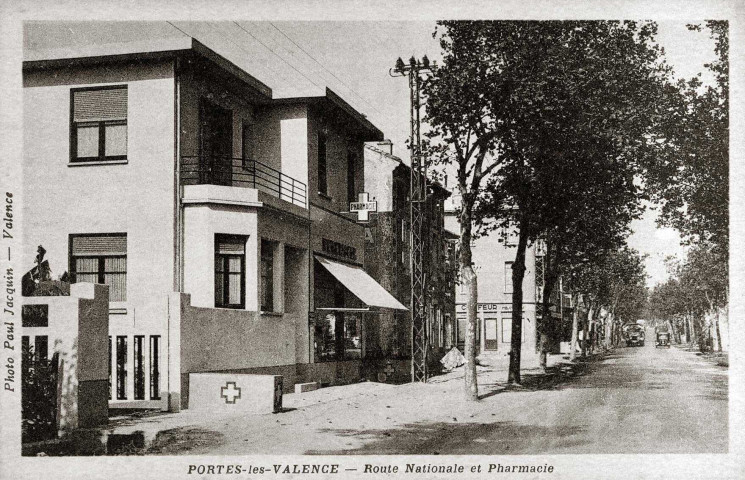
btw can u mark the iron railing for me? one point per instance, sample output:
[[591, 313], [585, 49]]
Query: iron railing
[[240, 172]]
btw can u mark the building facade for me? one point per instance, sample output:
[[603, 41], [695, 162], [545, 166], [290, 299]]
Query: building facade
[[387, 250], [493, 256], [161, 167]]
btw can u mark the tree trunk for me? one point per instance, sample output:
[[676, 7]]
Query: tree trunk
[[545, 318], [716, 326], [518, 273], [607, 324], [575, 328], [471, 283], [586, 331]]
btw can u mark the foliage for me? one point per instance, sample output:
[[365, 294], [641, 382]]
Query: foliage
[[565, 113], [692, 179], [38, 397]]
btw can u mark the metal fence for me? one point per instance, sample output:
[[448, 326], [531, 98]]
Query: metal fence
[[240, 172]]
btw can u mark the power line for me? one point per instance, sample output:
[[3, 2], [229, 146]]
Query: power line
[[276, 54], [326, 69]]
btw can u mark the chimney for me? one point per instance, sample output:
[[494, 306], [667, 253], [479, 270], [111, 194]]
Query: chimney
[[385, 146]]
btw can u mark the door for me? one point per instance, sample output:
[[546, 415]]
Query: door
[[215, 144], [490, 333]]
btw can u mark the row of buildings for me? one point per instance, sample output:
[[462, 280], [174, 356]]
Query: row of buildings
[[218, 213]]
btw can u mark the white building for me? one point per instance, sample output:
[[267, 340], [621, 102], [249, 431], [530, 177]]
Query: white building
[[158, 166]]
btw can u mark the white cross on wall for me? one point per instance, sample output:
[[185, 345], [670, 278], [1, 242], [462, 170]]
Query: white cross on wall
[[230, 392]]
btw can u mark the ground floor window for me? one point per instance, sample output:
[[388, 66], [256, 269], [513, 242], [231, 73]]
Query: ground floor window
[[507, 330], [121, 368], [154, 367], [139, 367], [230, 276], [338, 336]]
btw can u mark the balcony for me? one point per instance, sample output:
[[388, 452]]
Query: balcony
[[239, 172]]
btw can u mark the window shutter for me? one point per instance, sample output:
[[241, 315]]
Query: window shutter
[[99, 245], [231, 247], [97, 105]]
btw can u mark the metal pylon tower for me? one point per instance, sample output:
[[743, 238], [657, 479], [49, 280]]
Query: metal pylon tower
[[418, 197]]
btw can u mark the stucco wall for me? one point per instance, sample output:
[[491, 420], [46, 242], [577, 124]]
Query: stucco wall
[[223, 339], [135, 198], [338, 143]]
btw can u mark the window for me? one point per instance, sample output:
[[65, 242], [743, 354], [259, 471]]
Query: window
[[110, 355], [121, 368], [139, 367], [337, 336], [154, 367], [101, 259], [41, 347], [323, 187], [98, 130], [507, 330], [351, 188], [230, 266], [247, 144], [508, 277], [267, 276]]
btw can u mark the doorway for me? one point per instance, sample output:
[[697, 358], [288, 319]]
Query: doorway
[[215, 144]]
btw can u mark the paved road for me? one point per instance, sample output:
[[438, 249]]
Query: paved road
[[635, 400]]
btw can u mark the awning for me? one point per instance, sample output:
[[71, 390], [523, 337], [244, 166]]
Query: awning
[[362, 285]]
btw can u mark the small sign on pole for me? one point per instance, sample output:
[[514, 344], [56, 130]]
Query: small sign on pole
[[363, 207]]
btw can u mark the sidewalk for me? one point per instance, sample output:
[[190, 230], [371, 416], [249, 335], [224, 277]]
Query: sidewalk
[[332, 418]]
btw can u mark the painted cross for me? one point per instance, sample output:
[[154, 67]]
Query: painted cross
[[363, 206], [389, 369], [230, 392]]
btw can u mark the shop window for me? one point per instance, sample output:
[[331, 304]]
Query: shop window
[[267, 276], [507, 330], [230, 276], [121, 367], [338, 336], [98, 129], [101, 259], [154, 367], [323, 187]]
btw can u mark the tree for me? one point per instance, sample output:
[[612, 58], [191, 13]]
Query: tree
[[691, 181], [462, 134], [554, 102]]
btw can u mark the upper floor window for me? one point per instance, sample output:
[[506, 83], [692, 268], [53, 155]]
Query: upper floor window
[[230, 267], [323, 184], [508, 277], [101, 259], [98, 130], [351, 187]]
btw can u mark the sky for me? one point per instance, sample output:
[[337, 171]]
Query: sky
[[353, 58]]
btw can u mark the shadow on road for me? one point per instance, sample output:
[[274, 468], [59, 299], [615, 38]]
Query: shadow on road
[[555, 377], [459, 438]]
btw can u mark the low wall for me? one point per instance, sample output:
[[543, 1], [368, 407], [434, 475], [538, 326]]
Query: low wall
[[227, 341]]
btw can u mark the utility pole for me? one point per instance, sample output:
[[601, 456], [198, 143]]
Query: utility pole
[[418, 197]]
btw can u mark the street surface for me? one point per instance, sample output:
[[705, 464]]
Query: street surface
[[633, 400]]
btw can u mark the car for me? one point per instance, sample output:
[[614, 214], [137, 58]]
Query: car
[[634, 335]]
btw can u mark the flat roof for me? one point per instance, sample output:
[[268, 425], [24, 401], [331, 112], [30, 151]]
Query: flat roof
[[129, 51]]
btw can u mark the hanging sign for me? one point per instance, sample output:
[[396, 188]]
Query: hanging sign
[[363, 207]]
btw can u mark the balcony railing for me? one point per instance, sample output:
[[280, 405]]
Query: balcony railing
[[239, 172]]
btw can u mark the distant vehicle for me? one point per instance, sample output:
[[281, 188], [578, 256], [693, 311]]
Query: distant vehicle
[[663, 336], [634, 335]]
